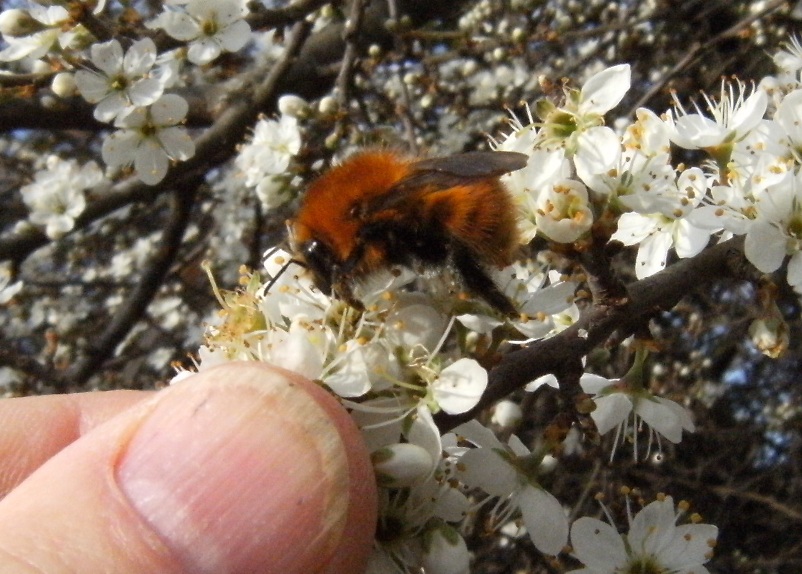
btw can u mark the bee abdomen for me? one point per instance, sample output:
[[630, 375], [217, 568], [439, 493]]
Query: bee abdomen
[[480, 216]]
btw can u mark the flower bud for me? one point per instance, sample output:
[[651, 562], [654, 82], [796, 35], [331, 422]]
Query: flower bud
[[327, 105], [770, 335], [292, 105], [40, 67], [63, 85], [507, 414], [16, 22], [445, 551]]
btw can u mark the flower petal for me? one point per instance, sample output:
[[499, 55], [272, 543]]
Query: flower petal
[[235, 36], [764, 246], [690, 547], [92, 86], [139, 58], [108, 57], [603, 91], [118, 148], [176, 143], [598, 545], [660, 418], [544, 518], [169, 110], [203, 51], [145, 91], [611, 411], [653, 527], [150, 162], [460, 386]]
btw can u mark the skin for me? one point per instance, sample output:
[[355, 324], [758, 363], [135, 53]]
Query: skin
[[241, 468]]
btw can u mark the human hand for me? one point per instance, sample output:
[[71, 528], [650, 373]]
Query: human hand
[[240, 468]]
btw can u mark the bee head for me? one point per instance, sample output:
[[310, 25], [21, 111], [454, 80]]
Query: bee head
[[315, 254]]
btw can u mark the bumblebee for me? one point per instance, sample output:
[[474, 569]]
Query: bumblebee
[[379, 209]]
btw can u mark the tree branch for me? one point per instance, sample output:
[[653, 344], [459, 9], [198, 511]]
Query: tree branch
[[646, 297], [137, 301]]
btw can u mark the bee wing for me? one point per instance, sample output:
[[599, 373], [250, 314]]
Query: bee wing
[[473, 165], [435, 174]]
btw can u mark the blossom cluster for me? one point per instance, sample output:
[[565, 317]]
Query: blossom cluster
[[583, 176], [128, 87], [405, 358], [412, 354]]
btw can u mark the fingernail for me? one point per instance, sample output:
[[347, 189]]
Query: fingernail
[[241, 475]]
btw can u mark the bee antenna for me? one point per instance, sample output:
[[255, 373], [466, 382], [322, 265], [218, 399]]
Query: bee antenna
[[281, 272]]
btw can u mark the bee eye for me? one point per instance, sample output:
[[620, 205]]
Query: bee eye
[[319, 259]]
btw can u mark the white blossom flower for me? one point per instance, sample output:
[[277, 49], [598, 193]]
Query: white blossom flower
[[56, 196], [543, 172], [150, 138], [654, 543], [544, 169], [634, 175], [542, 298], [32, 32], [777, 230], [789, 60], [668, 225], [578, 125], [290, 293], [265, 158], [549, 202], [509, 471], [563, 213], [123, 81], [733, 116], [622, 400], [210, 26]]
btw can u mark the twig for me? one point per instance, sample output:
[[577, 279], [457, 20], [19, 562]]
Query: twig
[[351, 37], [136, 303], [263, 18], [401, 48], [698, 49], [660, 291]]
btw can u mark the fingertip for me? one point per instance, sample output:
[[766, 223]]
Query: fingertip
[[241, 468], [303, 475]]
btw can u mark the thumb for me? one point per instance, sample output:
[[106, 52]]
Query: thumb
[[240, 468]]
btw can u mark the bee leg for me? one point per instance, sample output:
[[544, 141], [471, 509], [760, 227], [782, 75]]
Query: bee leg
[[479, 282], [342, 289]]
